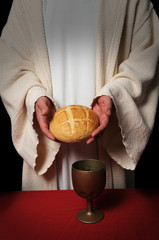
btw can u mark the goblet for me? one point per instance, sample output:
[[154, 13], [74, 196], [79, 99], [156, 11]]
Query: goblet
[[88, 178]]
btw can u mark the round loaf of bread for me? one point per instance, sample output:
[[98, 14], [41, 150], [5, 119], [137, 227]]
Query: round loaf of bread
[[73, 123]]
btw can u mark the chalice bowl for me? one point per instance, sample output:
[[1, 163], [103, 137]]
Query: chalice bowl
[[88, 178]]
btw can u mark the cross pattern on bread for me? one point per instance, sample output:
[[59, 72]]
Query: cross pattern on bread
[[71, 116], [73, 123]]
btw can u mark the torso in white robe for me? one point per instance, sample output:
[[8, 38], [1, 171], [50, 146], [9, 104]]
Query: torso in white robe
[[70, 28], [126, 63]]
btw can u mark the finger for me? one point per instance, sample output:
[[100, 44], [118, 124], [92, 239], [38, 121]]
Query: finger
[[108, 111], [44, 109], [97, 109], [43, 104], [103, 123], [98, 130], [44, 126], [105, 104], [90, 140], [49, 134]]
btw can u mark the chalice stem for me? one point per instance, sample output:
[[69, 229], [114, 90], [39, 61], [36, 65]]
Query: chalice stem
[[89, 206]]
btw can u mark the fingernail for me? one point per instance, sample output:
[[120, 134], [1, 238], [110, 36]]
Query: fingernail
[[43, 111], [109, 111]]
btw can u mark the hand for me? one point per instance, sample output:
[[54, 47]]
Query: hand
[[102, 107], [44, 112]]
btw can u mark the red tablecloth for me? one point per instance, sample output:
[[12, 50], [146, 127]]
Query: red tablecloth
[[129, 214]]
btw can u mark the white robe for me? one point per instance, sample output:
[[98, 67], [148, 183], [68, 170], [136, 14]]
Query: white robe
[[126, 67], [71, 29]]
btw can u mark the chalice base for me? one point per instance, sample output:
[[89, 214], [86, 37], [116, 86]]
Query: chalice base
[[90, 217]]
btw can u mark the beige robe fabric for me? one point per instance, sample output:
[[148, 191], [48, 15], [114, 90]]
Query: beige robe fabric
[[127, 56]]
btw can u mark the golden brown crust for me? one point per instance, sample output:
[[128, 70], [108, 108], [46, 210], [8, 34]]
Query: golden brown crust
[[73, 123]]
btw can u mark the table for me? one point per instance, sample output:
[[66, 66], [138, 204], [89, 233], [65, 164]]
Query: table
[[129, 214]]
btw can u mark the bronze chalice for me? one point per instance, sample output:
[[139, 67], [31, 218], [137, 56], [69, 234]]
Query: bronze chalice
[[88, 178]]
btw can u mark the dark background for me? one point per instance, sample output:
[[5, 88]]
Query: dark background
[[146, 173]]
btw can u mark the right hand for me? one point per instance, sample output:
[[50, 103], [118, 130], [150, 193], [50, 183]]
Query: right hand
[[102, 107], [45, 110]]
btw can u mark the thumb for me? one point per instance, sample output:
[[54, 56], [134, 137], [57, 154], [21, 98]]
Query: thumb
[[108, 111], [42, 106]]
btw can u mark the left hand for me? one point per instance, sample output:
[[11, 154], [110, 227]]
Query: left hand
[[102, 107], [45, 110]]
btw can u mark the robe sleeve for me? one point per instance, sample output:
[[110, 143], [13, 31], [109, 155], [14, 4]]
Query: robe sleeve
[[134, 91], [20, 87]]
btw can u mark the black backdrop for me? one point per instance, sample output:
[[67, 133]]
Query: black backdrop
[[146, 173]]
